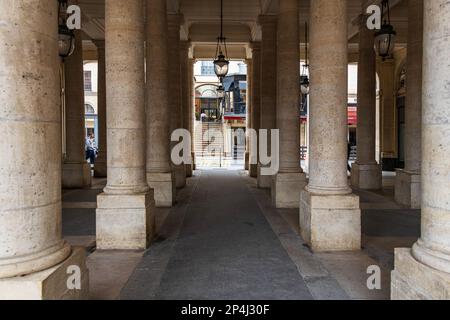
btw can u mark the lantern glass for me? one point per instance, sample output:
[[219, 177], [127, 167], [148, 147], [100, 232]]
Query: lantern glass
[[305, 89], [66, 37], [220, 92], [66, 44], [385, 41], [221, 66], [304, 85]]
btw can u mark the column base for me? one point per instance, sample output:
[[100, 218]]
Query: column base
[[125, 222], [180, 175], [49, 284], [286, 188], [164, 189], [408, 189], [412, 280], [366, 176], [76, 175], [330, 222], [247, 161], [253, 170], [100, 170], [264, 182]]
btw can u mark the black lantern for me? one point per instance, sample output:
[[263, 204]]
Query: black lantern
[[220, 91], [221, 62], [385, 38], [304, 79], [304, 84], [66, 37]]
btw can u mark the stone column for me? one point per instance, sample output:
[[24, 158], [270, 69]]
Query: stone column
[[76, 172], [388, 111], [185, 93], [159, 172], [268, 83], [407, 182], [248, 113], [256, 101], [290, 180], [175, 101], [191, 64], [366, 172], [100, 168], [330, 218], [33, 256], [424, 271], [125, 218]]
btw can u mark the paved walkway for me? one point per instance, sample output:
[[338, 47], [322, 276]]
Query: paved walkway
[[225, 250], [224, 240]]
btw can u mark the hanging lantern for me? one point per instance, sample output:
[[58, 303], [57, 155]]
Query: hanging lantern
[[66, 37], [220, 91], [304, 84], [221, 63], [385, 38], [304, 79]]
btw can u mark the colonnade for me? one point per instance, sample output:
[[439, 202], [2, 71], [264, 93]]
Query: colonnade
[[137, 131]]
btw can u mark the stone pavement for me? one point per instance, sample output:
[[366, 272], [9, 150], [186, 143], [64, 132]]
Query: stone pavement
[[224, 240]]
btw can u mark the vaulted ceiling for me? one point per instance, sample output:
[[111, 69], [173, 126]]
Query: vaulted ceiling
[[202, 18]]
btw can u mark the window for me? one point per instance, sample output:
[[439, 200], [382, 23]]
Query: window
[[87, 81], [88, 109], [207, 68]]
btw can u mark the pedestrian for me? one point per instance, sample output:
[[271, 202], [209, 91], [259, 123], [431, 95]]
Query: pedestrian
[[90, 148]]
